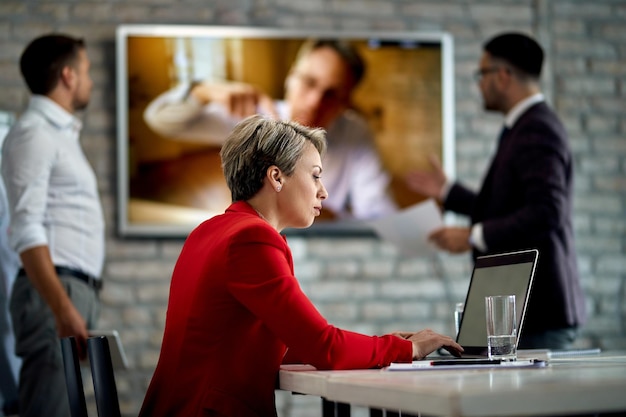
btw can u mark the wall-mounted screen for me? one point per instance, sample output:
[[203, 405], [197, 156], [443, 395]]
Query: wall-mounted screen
[[170, 132]]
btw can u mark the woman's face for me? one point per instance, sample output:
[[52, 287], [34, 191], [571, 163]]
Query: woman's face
[[300, 199]]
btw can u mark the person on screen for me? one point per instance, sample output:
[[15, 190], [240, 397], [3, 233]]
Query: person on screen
[[525, 201], [56, 221], [317, 94], [236, 311]]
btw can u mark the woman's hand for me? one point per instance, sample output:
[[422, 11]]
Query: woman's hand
[[427, 341]]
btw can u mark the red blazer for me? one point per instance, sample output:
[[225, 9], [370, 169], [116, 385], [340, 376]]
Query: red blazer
[[235, 308]]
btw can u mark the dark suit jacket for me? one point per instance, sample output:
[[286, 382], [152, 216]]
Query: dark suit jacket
[[526, 203], [234, 309]]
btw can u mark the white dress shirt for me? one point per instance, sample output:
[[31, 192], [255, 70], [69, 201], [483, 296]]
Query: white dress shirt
[[52, 189], [353, 175]]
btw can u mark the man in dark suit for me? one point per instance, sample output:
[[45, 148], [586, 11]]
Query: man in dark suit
[[526, 197]]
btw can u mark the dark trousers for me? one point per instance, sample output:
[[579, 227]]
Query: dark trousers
[[42, 389], [555, 339]]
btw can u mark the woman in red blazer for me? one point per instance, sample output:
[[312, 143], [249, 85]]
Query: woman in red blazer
[[236, 310]]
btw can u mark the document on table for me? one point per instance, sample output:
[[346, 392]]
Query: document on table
[[425, 365], [408, 229]]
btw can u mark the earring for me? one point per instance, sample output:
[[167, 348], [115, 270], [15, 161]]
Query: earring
[[278, 188]]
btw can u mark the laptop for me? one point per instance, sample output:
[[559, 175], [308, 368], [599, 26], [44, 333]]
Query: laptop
[[500, 274]]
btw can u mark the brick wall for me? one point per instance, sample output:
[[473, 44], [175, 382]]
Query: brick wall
[[361, 283]]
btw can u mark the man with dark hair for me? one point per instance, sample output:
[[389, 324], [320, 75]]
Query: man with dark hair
[[318, 93], [526, 197], [57, 226]]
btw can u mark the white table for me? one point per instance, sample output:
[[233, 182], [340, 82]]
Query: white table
[[567, 386]]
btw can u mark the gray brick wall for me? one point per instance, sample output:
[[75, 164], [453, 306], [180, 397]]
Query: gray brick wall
[[361, 283]]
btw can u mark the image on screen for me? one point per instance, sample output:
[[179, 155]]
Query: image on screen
[[170, 179]]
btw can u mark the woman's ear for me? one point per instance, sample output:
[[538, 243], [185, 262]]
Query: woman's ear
[[276, 177]]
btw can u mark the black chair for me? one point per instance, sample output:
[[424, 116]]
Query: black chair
[[73, 378], [104, 386]]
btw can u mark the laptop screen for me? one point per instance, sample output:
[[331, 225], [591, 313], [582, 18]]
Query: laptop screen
[[502, 274]]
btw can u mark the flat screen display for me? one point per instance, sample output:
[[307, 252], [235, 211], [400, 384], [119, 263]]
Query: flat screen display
[[502, 274], [170, 179]]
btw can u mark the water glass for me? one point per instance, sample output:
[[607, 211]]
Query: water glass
[[501, 327], [458, 316]]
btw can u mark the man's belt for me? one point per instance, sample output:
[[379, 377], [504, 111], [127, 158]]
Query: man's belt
[[63, 270]]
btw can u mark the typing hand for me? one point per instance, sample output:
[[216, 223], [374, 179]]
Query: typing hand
[[453, 351], [427, 341]]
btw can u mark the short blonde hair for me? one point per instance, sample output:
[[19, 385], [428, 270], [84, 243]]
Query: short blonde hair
[[257, 143]]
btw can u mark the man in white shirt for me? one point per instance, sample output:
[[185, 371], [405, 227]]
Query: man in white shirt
[[57, 226], [318, 90]]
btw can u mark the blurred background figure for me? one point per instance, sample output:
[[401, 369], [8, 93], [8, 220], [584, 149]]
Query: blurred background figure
[[525, 201], [9, 263], [56, 221], [318, 93]]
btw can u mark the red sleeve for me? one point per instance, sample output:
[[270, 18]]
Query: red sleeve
[[265, 284]]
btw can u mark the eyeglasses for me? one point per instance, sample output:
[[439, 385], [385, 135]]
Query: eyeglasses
[[481, 72]]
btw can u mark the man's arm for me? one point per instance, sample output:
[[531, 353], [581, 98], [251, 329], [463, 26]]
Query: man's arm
[[455, 197], [176, 115], [40, 270], [204, 112]]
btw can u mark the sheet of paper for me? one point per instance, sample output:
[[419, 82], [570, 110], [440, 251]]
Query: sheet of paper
[[118, 356], [425, 365], [408, 229]]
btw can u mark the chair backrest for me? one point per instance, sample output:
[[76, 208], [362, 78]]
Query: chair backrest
[[73, 378], [104, 386]]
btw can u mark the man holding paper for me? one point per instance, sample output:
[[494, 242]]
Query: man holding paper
[[525, 201]]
